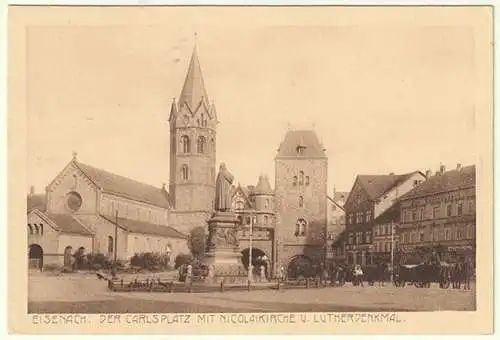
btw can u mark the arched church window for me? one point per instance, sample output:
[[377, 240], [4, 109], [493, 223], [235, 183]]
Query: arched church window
[[266, 204], [31, 228], [301, 178], [201, 144], [185, 172], [301, 201], [266, 220], [300, 227], [307, 180], [186, 145], [294, 180]]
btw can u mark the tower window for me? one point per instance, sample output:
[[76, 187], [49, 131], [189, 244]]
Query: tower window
[[307, 180], [266, 204], [294, 181], [185, 172], [301, 178], [201, 144], [448, 210], [300, 227], [186, 145], [301, 201], [266, 220]]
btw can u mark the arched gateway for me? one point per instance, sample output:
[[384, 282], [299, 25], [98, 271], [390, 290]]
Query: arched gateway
[[35, 256], [259, 258], [300, 266]]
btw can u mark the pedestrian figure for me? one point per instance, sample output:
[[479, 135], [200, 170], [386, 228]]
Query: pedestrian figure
[[467, 274], [358, 275]]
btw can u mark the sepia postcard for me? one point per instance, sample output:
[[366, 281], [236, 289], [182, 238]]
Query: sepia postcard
[[211, 169]]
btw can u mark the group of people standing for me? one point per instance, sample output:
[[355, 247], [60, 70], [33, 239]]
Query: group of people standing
[[456, 274]]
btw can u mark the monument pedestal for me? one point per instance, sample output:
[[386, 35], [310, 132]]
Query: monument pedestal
[[223, 256]]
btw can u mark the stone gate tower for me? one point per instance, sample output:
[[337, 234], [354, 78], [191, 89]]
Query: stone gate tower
[[193, 122], [300, 199]]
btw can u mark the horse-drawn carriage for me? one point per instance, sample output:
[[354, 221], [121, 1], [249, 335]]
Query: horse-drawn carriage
[[422, 275]]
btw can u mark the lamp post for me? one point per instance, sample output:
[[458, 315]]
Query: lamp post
[[116, 237], [250, 265], [392, 251]]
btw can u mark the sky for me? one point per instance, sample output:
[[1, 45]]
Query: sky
[[394, 98]]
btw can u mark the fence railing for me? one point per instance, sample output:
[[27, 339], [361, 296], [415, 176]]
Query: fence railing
[[196, 286]]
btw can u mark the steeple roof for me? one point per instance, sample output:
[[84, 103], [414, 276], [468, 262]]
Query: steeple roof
[[263, 187], [301, 144], [193, 92]]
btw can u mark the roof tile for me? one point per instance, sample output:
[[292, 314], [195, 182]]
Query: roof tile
[[301, 138], [447, 181], [126, 187], [141, 227]]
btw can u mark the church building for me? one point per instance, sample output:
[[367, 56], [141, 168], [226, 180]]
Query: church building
[[90, 208]]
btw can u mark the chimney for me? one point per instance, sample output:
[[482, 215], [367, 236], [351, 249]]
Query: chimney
[[163, 187], [32, 190], [442, 169], [428, 174], [391, 174], [459, 167]]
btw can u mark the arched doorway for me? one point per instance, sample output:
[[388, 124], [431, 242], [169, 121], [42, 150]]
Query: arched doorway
[[259, 258], [300, 266], [68, 253], [35, 256]]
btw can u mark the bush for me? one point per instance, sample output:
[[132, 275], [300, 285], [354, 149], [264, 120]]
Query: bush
[[150, 261], [182, 259], [97, 262]]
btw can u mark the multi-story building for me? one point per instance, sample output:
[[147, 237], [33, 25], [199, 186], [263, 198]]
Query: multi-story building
[[440, 214], [385, 234], [370, 197]]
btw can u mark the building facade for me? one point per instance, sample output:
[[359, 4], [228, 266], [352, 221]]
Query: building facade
[[440, 214], [100, 212], [335, 250], [370, 197], [254, 207]]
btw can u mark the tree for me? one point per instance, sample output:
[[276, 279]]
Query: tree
[[197, 242]]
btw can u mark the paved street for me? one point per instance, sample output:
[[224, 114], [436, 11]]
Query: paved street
[[86, 294]]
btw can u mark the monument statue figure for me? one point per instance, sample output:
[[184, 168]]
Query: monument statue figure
[[224, 237], [223, 189]]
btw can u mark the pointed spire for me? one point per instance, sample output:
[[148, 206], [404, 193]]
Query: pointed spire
[[173, 110], [263, 186], [74, 155], [193, 91]]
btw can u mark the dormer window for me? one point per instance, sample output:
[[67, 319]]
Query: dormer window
[[300, 149]]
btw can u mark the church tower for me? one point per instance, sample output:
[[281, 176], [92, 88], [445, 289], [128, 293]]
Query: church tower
[[193, 122]]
